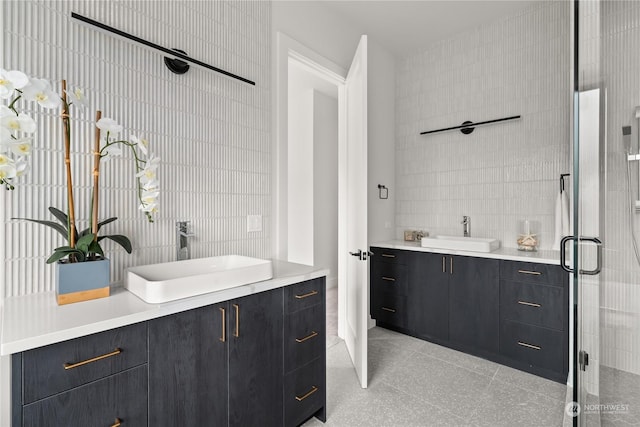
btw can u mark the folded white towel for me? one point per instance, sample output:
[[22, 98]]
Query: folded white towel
[[561, 219]]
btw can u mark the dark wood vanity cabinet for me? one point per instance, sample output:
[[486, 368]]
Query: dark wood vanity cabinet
[[512, 312], [258, 360]]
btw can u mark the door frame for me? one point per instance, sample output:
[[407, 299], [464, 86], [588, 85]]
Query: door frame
[[286, 49]]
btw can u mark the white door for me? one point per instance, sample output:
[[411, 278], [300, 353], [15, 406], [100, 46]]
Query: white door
[[357, 266]]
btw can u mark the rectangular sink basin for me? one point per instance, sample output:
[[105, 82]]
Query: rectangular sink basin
[[158, 283], [473, 244]]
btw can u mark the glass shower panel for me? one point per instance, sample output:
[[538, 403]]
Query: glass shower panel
[[606, 163]]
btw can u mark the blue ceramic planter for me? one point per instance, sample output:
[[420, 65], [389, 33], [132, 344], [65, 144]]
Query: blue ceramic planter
[[82, 281]]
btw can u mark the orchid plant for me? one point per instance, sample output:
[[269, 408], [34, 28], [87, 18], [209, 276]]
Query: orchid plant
[[16, 142]]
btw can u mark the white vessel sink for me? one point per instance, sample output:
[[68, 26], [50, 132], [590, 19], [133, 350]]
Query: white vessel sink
[[157, 283], [473, 244]]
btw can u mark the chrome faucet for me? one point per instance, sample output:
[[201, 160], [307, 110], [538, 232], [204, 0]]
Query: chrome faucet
[[466, 226], [182, 240]]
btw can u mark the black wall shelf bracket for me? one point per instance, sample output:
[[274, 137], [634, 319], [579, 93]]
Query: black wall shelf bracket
[[467, 127], [175, 53]]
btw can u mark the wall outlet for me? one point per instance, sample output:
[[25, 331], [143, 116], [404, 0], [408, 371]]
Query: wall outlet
[[254, 223]]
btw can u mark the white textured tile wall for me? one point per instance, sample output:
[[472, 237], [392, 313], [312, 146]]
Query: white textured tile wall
[[501, 174], [619, 62], [212, 133]]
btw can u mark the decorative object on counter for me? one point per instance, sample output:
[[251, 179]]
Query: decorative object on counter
[[175, 63], [383, 192], [467, 127], [527, 241], [75, 281], [409, 235], [418, 235]]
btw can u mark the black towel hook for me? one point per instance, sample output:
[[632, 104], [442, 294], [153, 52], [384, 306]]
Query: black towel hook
[[562, 180]]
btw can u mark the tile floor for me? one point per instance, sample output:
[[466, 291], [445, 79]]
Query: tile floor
[[417, 383], [619, 388]]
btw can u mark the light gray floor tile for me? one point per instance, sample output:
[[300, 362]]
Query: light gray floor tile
[[472, 363], [531, 382]]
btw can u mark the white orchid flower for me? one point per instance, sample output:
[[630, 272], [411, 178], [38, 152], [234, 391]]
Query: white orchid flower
[[22, 166], [111, 151], [142, 143], [21, 122], [77, 97], [150, 208], [8, 171], [21, 147], [5, 135], [147, 175], [6, 111], [39, 90], [11, 80], [109, 125], [5, 160], [152, 185]]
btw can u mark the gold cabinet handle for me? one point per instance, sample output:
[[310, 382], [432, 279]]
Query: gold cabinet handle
[[524, 344], [450, 265], [388, 256], [307, 394], [391, 310], [533, 273], [389, 279], [530, 304], [444, 265], [308, 337], [93, 359], [310, 294], [118, 423], [236, 333], [223, 338]]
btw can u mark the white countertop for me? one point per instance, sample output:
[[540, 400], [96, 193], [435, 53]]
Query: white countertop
[[32, 321], [511, 254]]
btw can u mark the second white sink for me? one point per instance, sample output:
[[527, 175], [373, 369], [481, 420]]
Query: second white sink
[[158, 283], [473, 244]]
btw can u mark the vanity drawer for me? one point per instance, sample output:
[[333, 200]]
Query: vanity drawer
[[536, 346], [390, 255], [304, 337], [390, 277], [101, 403], [533, 304], [304, 392], [530, 272], [304, 295], [390, 308], [62, 366]]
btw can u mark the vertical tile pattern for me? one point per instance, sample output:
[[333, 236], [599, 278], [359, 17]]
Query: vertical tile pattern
[[618, 37], [500, 174], [211, 132]]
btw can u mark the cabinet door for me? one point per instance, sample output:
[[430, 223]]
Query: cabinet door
[[256, 360], [188, 368], [429, 295], [122, 397], [474, 294]]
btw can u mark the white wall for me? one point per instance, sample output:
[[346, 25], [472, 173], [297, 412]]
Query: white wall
[[300, 184], [499, 174], [325, 184], [212, 133]]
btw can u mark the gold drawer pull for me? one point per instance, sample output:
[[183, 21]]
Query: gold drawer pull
[[94, 359], [533, 273], [524, 344], [236, 333], [388, 256], [391, 310], [223, 338], [310, 294], [530, 304], [309, 393], [390, 279], [118, 423], [308, 337]]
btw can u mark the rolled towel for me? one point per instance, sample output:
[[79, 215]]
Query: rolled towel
[[558, 222]]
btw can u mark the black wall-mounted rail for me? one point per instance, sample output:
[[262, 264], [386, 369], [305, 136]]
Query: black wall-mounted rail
[[172, 52], [468, 127]]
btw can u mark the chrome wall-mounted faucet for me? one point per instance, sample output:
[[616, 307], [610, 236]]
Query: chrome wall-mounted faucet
[[466, 226], [182, 240]]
